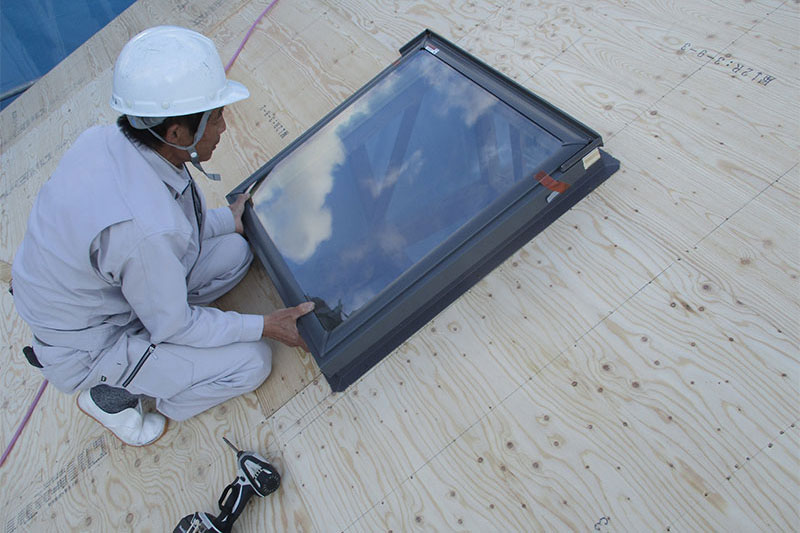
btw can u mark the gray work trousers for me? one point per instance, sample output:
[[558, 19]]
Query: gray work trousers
[[185, 380]]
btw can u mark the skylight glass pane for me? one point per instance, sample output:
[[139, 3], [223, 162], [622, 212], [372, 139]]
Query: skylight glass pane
[[392, 177]]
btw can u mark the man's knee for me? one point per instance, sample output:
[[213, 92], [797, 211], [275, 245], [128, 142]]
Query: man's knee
[[238, 250], [259, 365], [237, 369], [223, 264]]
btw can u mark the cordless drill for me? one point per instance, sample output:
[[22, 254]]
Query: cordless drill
[[255, 476]]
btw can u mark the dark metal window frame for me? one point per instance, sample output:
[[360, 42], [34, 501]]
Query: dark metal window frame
[[419, 294]]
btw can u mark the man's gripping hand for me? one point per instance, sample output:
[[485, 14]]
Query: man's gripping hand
[[237, 208], [282, 324]]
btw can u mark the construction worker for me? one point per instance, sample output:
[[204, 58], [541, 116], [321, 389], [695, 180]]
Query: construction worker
[[121, 254]]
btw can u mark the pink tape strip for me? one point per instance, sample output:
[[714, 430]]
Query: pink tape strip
[[24, 421], [249, 33]]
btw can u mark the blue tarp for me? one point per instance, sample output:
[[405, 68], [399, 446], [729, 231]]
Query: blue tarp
[[37, 34]]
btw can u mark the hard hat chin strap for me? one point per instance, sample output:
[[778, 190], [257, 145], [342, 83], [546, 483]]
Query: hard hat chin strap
[[201, 128]]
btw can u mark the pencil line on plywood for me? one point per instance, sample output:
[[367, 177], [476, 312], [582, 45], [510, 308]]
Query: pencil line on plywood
[[320, 413], [561, 354], [481, 418], [266, 24], [476, 27], [618, 307], [491, 409], [730, 478], [698, 69], [500, 8], [285, 402], [654, 278], [747, 203], [553, 59], [749, 458], [485, 415]]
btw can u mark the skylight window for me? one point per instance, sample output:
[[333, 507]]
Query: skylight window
[[406, 194]]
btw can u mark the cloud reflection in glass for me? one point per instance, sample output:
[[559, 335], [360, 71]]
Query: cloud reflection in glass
[[390, 178]]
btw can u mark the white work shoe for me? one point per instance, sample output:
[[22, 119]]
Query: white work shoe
[[131, 426]]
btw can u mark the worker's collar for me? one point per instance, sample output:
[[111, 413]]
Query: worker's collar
[[175, 178]]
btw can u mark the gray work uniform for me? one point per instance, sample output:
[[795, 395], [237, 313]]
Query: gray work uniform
[[119, 256]]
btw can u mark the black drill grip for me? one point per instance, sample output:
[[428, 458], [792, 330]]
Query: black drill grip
[[232, 502]]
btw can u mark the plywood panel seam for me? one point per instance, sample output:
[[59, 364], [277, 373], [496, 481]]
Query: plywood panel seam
[[749, 458], [786, 174], [515, 389], [305, 414], [263, 25], [452, 441], [223, 22], [552, 60], [382, 499], [750, 201], [654, 104], [455, 439], [618, 307], [715, 488], [269, 411], [683, 80], [316, 416], [476, 26]]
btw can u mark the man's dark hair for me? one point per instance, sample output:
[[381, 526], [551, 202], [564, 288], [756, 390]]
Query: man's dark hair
[[145, 138]]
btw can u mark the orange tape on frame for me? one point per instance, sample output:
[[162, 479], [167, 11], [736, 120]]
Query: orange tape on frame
[[549, 183]]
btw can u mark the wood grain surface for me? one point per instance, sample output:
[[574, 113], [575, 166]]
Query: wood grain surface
[[636, 367]]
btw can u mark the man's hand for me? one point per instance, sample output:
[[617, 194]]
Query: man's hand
[[237, 208], [282, 325]]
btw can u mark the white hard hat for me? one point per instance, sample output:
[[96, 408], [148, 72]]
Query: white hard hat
[[169, 71]]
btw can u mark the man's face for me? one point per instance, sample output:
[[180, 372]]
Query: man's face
[[208, 142]]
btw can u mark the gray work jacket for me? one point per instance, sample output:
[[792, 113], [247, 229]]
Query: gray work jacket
[[107, 251]]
